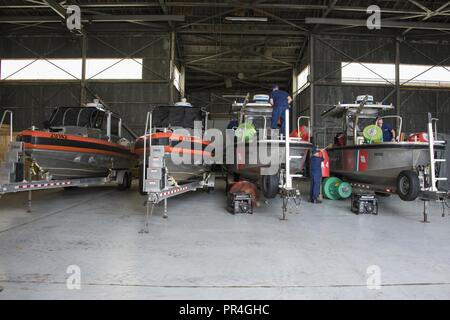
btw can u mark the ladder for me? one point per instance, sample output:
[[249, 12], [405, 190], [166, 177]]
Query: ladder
[[11, 158], [432, 141], [147, 132], [288, 156], [289, 193], [10, 123]]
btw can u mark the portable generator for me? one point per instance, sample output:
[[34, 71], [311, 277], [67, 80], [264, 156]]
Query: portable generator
[[364, 204], [240, 202]]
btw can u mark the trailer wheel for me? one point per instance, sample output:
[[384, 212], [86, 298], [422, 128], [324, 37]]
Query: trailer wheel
[[129, 180], [408, 185], [270, 186], [125, 184], [141, 180]]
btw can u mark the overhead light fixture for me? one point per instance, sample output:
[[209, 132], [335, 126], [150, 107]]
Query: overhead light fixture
[[247, 19]]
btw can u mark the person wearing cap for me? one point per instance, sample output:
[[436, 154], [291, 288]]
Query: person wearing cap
[[280, 101], [316, 160]]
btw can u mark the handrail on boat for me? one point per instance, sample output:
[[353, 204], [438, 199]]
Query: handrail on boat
[[206, 112], [265, 123], [148, 129], [10, 123], [434, 121], [309, 126], [400, 123]]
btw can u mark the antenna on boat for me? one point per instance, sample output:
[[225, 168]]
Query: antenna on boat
[[358, 112]]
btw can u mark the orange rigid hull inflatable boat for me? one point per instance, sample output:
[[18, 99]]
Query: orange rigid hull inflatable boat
[[80, 142], [163, 123], [176, 147]]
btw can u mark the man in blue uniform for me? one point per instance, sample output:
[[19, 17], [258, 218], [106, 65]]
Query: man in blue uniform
[[233, 124], [280, 101], [316, 174], [388, 131]]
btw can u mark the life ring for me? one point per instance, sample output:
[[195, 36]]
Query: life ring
[[418, 137]]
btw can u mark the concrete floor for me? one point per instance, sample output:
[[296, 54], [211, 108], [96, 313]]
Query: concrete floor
[[203, 252]]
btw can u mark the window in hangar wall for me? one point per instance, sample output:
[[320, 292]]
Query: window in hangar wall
[[302, 80], [114, 68], [410, 74], [41, 69], [69, 69]]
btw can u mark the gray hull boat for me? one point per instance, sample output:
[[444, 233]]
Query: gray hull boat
[[250, 160], [408, 168]]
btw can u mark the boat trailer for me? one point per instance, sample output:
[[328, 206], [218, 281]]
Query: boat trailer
[[39, 185], [158, 187], [12, 173]]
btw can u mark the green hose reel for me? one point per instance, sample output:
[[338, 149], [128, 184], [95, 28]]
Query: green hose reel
[[336, 189], [373, 134], [246, 131]]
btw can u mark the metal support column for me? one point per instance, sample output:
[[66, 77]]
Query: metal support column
[[311, 80], [172, 65], [183, 82], [397, 76], [294, 94], [83, 69]]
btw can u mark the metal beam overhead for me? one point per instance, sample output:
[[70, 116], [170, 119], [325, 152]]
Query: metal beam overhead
[[59, 9], [384, 23], [278, 6], [96, 18]]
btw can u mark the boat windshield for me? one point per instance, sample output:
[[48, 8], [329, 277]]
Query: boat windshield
[[79, 117], [259, 121], [174, 116]]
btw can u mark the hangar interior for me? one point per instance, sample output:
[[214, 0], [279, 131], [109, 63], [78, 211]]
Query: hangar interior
[[133, 55]]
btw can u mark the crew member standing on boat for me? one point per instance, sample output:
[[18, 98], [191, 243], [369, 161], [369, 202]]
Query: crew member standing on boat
[[280, 101], [388, 131]]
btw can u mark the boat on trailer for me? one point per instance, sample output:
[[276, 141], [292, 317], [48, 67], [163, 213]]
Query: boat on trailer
[[79, 142], [408, 166], [161, 130], [255, 115]]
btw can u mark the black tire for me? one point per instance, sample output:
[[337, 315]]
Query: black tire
[[129, 180], [270, 186], [408, 185], [141, 180], [125, 184]]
